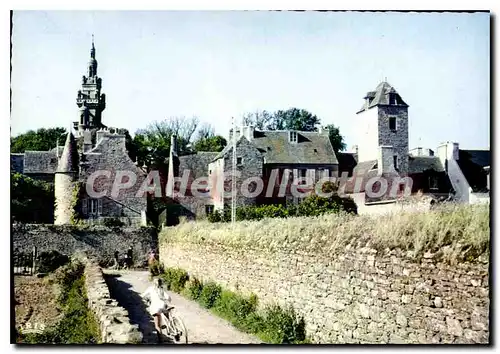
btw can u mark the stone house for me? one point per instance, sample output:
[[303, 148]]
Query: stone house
[[383, 151], [93, 149]]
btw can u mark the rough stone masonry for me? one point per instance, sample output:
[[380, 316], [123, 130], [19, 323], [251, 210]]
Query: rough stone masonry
[[360, 296], [114, 323]]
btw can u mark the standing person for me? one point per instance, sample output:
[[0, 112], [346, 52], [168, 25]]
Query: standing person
[[116, 264], [158, 301], [129, 257]]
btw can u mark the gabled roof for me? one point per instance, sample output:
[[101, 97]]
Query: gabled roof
[[40, 162], [472, 163], [419, 164], [347, 161], [381, 96], [196, 163], [479, 157], [311, 147]]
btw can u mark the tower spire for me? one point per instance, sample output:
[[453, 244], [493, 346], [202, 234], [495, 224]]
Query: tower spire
[[92, 50]]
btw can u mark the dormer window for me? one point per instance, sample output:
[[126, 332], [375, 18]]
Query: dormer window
[[293, 137], [393, 99]]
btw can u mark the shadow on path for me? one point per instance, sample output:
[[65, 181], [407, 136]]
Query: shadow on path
[[122, 292]]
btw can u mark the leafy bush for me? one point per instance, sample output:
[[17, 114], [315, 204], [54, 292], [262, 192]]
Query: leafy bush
[[275, 325], [313, 205], [220, 216], [210, 294], [194, 288], [175, 279], [32, 201], [50, 261], [235, 308], [113, 222], [282, 326]]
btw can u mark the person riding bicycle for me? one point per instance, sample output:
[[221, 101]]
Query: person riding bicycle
[[159, 299]]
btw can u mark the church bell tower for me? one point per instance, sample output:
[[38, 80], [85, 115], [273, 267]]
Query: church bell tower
[[90, 101]]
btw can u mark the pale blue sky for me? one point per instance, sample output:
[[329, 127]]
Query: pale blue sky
[[220, 64]]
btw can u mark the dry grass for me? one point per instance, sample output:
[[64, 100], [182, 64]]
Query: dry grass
[[36, 294], [458, 232]]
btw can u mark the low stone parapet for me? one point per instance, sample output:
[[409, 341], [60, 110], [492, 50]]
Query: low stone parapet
[[114, 323]]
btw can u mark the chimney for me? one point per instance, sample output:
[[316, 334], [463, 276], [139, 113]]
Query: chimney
[[87, 140], [385, 161], [248, 131], [238, 133], [447, 151], [100, 134], [355, 149], [173, 143]]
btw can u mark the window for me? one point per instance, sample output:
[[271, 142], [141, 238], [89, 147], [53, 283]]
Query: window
[[393, 99], [209, 209], [239, 160], [392, 123], [433, 183], [293, 137], [302, 172], [395, 157], [93, 208]]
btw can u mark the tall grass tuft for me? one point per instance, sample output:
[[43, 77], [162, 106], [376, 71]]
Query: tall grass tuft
[[461, 232]]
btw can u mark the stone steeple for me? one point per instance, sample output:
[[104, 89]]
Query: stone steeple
[[64, 182], [90, 101], [69, 158]]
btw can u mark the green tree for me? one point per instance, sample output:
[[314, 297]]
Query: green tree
[[208, 141], [39, 140], [152, 145], [336, 139], [32, 201], [214, 144], [290, 119]]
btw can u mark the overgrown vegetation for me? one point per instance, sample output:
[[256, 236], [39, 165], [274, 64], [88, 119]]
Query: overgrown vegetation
[[456, 232], [313, 205], [78, 325], [50, 261], [31, 200], [273, 325], [76, 212]]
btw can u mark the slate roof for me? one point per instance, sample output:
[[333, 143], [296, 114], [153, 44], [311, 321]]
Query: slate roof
[[197, 163], [381, 96], [311, 148], [17, 162], [40, 162], [347, 162], [69, 158], [419, 164], [479, 157], [472, 163]]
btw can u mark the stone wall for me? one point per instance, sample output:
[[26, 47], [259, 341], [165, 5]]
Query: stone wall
[[398, 139], [360, 296], [98, 241], [110, 155], [114, 323]]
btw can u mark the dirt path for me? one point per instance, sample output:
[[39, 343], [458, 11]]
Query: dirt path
[[202, 326]]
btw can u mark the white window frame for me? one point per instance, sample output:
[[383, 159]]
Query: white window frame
[[293, 137]]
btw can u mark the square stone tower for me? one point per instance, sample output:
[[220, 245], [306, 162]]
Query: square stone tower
[[383, 121]]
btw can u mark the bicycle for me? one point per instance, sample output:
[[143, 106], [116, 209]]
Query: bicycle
[[173, 327]]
